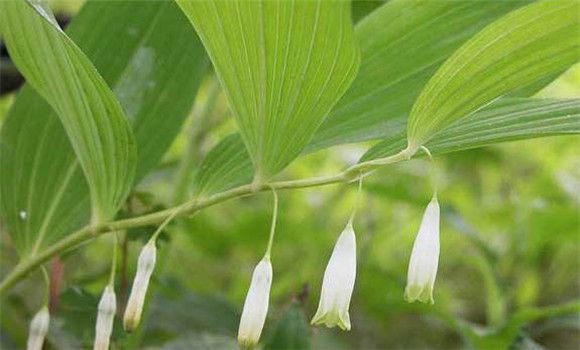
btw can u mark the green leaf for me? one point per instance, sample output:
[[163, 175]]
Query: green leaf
[[509, 119], [526, 343], [397, 61], [91, 115], [362, 8], [171, 312], [393, 72], [292, 332], [76, 318], [226, 166], [402, 45], [40, 175], [283, 65], [511, 54]]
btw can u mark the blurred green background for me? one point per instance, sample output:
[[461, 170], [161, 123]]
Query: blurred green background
[[509, 271]]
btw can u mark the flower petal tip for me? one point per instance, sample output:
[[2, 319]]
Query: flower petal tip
[[245, 344], [416, 293], [331, 320]]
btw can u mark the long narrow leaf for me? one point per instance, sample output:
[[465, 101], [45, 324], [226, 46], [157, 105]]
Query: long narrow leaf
[[402, 45], [91, 115], [283, 65], [515, 52], [43, 193], [506, 120]]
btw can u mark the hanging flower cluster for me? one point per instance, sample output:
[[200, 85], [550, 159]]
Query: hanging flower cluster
[[337, 284]]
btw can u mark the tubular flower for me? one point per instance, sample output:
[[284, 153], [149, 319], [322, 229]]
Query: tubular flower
[[256, 305], [338, 282], [38, 329], [105, 318], [145, 266], [424, 257]]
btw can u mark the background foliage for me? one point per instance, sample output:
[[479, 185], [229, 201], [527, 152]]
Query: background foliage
[[510, 224]]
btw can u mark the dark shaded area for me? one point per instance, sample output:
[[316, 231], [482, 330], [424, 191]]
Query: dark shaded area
[[361, 8]]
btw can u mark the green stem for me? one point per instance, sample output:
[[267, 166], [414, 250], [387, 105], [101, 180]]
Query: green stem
[[357, 200], [188, 208], [273, 225], [46, 285], [113, 261], [533, 314], [433, 171], [507, 334], [495, 303], [163, 224]]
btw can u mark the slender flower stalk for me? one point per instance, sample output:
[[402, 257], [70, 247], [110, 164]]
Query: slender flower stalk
[[424, 257], [339, 278], [105, 318], [38, 329], [257, 300], [434, 171]]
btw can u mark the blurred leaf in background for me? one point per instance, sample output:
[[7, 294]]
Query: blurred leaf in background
[[292, 331]]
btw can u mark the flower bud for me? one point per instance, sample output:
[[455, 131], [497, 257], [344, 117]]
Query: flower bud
[[38, 329], [338, 282], [256, 305], [145, 267], [105, 318], [424, 257]]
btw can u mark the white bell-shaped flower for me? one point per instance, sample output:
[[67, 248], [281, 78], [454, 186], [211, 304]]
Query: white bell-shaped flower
[[424, 257], [105, 318], [38, 329], [256, 305], [145, 266], [338, 282]]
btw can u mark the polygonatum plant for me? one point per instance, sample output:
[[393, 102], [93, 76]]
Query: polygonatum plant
[[105, 98]]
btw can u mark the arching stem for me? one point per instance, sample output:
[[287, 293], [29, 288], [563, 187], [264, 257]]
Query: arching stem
[[188, 208]]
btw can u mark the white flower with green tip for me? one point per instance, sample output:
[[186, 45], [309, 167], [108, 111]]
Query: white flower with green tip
[[338, 282], [256, 305], [145, 266], [424, 257]]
